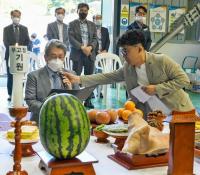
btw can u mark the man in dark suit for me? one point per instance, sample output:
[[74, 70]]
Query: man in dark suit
[[103, 41], [102, 35], [58, 29], [139, 23], [83, 43], [40, 82], [12, 34]]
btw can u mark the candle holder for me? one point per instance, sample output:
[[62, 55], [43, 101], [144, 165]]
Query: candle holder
[[18, 113]]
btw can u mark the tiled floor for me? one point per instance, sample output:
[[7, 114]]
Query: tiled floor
[[110, 101]]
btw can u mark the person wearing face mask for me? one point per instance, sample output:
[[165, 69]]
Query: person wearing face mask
[[83, 43], [40, 82], [140, 23], [102, 35], [157, 74], [12, 34], [103, 41], [58, 29]]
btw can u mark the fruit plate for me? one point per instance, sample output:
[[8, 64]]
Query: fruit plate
[[116, 128], [24, 141], [197, 130], [94, 125], [4, 135], [27, 149], [115, 134]]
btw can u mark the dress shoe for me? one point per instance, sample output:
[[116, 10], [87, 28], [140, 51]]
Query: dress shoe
[[101, 95], [89, 104], [92, 95]]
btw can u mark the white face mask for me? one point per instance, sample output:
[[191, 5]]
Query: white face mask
[[55, 64], [60, 17], [15, 20], [141, 19], [98, 22]]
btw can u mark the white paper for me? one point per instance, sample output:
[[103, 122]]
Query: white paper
[[153, 101], [156, 104], [140, 94]]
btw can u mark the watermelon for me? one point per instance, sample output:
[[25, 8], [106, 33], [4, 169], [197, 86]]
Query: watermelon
[[64, 126]]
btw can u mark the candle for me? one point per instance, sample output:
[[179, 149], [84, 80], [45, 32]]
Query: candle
[[18, 67], [17, 90]]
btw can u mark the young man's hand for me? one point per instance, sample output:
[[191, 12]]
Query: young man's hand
[[149, 89], [70, 77], [67, 83]]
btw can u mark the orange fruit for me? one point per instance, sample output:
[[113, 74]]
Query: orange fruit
[[120, 111], [125, 114], [102, 117], [129, 105], [113, 115], [92, 115]]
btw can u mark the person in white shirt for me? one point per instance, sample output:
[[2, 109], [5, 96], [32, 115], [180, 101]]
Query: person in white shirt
[[158, 74]]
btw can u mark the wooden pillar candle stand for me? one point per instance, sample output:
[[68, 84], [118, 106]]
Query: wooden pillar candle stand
[[18, 67], [27, 149], [181, 150], [18, 113]]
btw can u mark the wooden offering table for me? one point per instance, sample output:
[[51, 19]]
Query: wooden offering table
[[105, 166], [181, 152], [81, 165], [133, 162]]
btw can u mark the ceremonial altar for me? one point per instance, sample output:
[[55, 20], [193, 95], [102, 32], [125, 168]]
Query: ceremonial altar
[[105, 165]]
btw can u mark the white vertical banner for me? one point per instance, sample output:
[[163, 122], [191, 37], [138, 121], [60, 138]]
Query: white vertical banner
[[18, 66], [124, 16], [174, 14], [18, 59], [158, 15]]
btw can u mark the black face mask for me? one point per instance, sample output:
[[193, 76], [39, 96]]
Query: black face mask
[[82, 16]]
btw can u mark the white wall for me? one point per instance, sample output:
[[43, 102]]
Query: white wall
[[179, 51]]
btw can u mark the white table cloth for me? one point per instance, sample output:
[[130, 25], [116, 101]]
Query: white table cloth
[[105, 165]]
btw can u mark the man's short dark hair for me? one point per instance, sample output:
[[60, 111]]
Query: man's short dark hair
[[13, 11], [131, 37], [80, 5], [59, 8], [54, 43], [140, 7]]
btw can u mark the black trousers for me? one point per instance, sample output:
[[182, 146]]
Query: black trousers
[[87, 64], [9, 79]]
